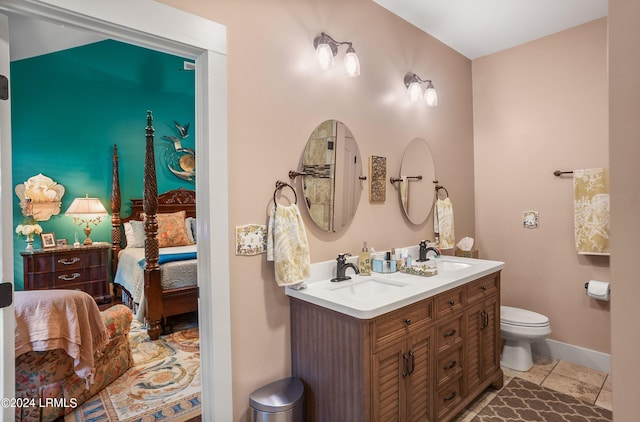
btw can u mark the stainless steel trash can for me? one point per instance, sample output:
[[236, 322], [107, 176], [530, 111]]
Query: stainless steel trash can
[[280, 401]]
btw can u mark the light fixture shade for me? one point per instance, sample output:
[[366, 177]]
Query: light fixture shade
[[324, 54], [351, 62], [86, 208], [431, 96], [414, 91]]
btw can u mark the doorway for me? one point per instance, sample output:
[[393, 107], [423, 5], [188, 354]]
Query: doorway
[[175, 32]]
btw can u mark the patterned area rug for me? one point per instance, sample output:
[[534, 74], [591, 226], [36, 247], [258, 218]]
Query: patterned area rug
[[522, 400], [163, 385]]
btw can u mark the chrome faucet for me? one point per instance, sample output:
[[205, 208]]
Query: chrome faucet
[[342, 266], [424, 249]]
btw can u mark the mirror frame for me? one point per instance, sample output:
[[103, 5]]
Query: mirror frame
[[40, 197]]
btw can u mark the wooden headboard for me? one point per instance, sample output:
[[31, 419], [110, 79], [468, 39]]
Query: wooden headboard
[[171, 201]]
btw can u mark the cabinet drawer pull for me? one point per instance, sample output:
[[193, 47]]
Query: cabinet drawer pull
[[69, 278], [450, 396], [406, 365], [413, 362], [484, 288], [450, 333], [407, 321], [66, 261], [451, 302], [451, 365]]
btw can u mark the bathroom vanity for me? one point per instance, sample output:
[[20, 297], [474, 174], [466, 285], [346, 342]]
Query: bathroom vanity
[[398, 346]]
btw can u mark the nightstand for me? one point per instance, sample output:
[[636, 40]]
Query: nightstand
[[83, 268]]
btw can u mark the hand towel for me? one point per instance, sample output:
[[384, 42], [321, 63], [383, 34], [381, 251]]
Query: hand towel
[[287, 245], [404, 192], [591, 211], [443, 223]]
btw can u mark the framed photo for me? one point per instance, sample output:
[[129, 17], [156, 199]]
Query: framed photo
[[48, 240], [62, 242]]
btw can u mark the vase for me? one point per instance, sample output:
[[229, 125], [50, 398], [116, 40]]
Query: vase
[[29, 247]]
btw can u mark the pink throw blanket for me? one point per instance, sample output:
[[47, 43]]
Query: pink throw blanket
[[60, 319]]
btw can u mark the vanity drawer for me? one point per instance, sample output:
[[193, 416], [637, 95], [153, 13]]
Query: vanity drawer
[[449, 334], [448, 397], [396, 324], [450, 302], [449, 366], [483, 287]]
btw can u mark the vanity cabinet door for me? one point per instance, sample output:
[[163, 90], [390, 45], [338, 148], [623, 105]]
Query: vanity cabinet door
[[401, 378], [483, 341]]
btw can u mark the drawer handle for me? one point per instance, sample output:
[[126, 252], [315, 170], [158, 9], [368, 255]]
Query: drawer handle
[[484, 288], [451, 365], [407, 321], [67, 278], [450, 396], [66, 261], [450, 333], [451, 302]]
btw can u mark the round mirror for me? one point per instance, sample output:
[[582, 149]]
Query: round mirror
[[331, 175], [417, 174]]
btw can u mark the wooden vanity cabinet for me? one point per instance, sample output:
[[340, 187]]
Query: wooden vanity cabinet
[[422, 362]]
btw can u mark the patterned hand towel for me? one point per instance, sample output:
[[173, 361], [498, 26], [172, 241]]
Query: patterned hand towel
[[591, 211], [443, 223], [287, 245]]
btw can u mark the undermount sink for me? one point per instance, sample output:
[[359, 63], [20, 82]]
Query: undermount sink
[[367, 288], [451, 266]]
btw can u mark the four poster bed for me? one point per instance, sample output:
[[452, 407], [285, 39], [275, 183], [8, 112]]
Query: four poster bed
[[154, 267]]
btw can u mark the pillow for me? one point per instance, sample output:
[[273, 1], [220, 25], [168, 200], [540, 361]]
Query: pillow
[[134, 233], [172, 230], [190, 224]]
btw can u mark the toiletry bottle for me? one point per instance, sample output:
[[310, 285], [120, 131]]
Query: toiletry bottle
[[365, 260]]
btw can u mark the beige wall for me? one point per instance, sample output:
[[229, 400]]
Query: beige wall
[[624, 112], [540, 107], [278, 95]]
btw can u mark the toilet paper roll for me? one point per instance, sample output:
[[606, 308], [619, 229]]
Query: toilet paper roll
[[599, 290]]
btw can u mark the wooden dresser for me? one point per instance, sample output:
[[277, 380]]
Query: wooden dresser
[[83, 268]]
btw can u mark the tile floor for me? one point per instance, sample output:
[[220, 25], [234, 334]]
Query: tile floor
[[574, 380]]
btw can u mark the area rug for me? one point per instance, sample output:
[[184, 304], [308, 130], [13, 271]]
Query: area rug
[[163, 385], [521, 400]]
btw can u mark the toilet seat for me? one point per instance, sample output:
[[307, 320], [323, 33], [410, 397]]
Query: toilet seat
[[522, 317]]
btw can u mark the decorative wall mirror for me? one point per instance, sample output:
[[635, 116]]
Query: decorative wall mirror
[[331, 175], [40, 197], [417, 176]]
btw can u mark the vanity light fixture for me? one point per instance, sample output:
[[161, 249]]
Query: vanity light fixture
[[414, 90], [327, 48], [84, 211]]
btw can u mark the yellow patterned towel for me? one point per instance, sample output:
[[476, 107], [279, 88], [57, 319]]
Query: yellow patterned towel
[[443, 223], [591, 211], [287, 245], [404, 192]]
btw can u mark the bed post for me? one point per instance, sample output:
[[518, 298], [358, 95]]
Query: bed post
[[116, 240], [152, 286]]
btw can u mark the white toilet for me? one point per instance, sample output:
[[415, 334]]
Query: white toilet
[[520, 328]]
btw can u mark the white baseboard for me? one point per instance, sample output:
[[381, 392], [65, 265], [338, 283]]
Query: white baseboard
[[575, 354]]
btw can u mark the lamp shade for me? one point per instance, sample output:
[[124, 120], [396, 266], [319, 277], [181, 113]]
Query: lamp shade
[[87, 208], [351, 62], [324, 54], [414, 91], [431, 96]]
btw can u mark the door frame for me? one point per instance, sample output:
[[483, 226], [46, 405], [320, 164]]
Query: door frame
[[176, 32]]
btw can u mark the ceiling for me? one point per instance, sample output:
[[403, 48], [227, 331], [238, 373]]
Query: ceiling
[[475, 28]]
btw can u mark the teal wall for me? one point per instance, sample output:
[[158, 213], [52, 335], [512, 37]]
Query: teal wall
[[69, 108]]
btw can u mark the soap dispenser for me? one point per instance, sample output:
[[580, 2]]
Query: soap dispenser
[[364, 263]]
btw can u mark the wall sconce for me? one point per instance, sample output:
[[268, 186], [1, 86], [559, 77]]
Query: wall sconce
[[412, 82], [327, 48], [84, 211]]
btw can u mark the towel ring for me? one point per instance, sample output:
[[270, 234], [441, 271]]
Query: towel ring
[[279, 185], [439, 187]]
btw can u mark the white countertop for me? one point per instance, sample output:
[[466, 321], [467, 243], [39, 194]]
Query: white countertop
[[367, 297]]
